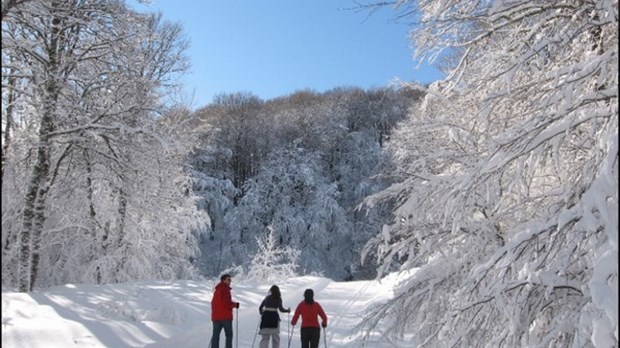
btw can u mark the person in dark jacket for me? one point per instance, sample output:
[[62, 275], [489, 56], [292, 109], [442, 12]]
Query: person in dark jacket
[[309, 310], [222, 311], [270, 320]]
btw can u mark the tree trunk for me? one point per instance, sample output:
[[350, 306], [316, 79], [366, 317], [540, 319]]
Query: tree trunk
[[10, 99], [34, 216], [122, 212]]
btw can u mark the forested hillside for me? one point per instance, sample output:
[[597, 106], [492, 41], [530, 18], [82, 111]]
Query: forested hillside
[[301, 164]]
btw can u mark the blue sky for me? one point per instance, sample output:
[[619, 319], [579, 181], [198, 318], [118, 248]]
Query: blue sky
[[272, 48]]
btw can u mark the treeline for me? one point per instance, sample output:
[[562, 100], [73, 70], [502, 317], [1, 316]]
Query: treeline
[[301, 164]]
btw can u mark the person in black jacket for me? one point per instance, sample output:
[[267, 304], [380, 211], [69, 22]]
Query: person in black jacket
[[270, 320]]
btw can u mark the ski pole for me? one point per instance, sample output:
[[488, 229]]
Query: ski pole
[[290, 336], [255, 334], [325, 336], [288, 326], [211, 340], [237, 330]]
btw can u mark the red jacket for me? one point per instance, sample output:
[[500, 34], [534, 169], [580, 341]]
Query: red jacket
[[222, 304], [309, 313]]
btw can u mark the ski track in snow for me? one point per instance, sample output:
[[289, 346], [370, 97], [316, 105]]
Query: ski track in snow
[[342, 315]]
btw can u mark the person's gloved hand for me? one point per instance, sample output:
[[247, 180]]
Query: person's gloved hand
[[237, 305], [324, 324], [288, 309]]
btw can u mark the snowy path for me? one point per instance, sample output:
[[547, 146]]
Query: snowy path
[[177, 314]]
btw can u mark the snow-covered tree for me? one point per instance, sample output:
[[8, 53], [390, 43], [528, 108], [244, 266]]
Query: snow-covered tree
[[272, 260], [216, 196], [236, 136], [509, 198], [90, 79], [291, 194]]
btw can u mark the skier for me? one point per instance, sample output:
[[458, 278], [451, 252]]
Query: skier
[[270, 320], [309, 310], [222, 312]]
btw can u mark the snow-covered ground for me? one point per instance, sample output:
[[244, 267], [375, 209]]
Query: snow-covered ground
[[177, 314]]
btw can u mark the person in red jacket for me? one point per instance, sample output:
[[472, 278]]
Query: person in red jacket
[[309, 310], [222, 311]]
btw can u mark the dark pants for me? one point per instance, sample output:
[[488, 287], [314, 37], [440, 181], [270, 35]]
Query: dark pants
[[218, 325], [310, 337]]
